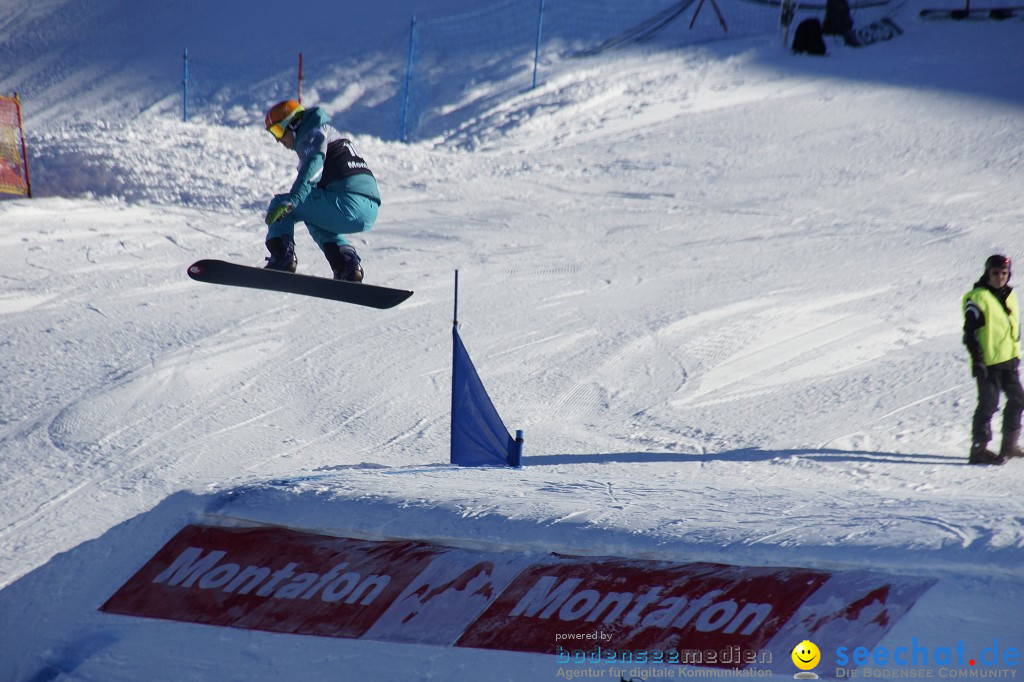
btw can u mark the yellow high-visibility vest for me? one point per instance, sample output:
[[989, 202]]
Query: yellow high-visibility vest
[[1000, 337]]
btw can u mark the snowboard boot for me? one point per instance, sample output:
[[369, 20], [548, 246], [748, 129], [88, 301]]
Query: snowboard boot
[[1010, 447], [282, 254], [980, 454], [345, 262]]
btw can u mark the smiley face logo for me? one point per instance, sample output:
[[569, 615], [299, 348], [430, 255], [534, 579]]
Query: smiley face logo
[[806, 655]]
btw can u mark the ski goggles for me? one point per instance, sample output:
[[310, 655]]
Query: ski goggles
[[279, 129]]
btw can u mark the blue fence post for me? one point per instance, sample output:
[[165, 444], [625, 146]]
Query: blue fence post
[[184, 90], [536, 50], [403, 133], [516, 456]]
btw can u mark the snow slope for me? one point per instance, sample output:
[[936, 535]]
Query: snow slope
[[718, 287]]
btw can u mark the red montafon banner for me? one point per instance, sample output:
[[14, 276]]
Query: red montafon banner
[[282, 580]]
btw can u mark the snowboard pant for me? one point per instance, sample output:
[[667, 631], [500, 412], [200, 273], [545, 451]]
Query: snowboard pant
[[328, 217], [1002, 378]]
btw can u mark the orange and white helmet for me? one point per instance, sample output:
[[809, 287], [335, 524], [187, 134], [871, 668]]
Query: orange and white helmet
[[282, 116]]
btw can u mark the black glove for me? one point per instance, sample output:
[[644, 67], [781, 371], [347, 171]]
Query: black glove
[[979, 370]]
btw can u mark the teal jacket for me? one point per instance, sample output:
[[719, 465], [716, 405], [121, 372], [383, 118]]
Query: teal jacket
[[328, 161]]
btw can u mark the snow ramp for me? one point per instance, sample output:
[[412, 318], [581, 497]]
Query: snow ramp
[[209, 586]]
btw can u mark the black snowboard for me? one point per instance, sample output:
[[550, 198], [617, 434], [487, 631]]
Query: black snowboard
[[232, 274]]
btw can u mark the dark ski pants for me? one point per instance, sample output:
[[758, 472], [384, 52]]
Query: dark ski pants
[[1000, 379]]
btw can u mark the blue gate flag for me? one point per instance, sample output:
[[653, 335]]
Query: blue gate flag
[[479, 437]]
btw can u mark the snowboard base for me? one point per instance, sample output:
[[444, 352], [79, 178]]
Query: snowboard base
[[232, 274]]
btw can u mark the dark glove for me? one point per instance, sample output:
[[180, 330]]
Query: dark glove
[[979, 370]]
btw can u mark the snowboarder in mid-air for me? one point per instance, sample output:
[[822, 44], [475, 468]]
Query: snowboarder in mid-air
[[992, 337], [334, 193]]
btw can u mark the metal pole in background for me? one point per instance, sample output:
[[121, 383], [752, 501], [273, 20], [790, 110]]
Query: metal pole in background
[[184, 93], [24, 147], [536, 50], [403, 133]]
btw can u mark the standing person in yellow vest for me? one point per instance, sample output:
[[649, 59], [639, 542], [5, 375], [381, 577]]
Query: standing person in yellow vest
[[992, 337]]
